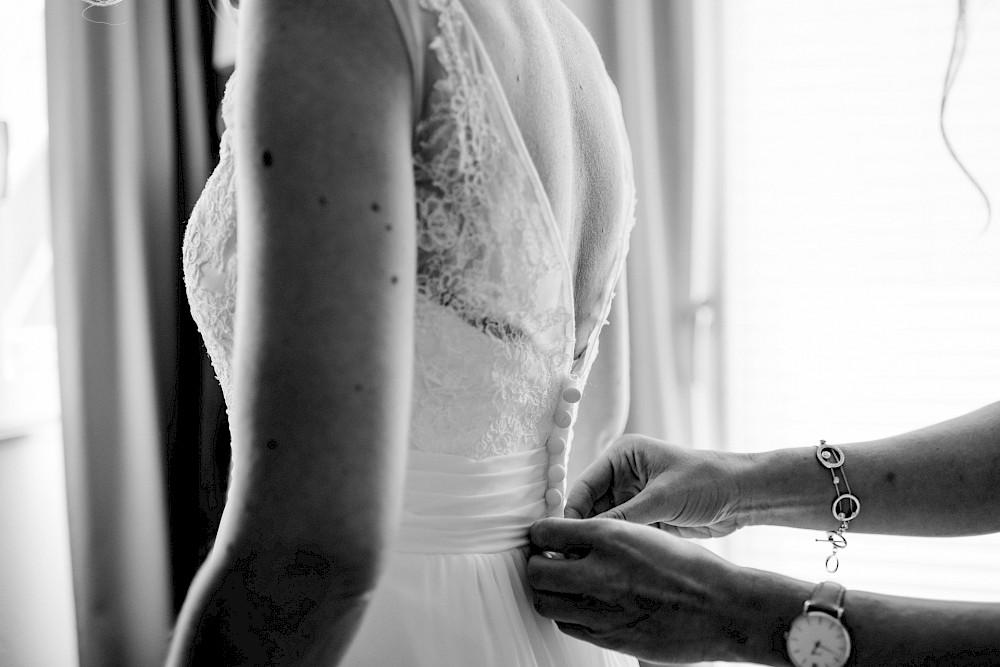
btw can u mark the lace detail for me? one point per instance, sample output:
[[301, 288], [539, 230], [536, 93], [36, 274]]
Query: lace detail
[[488, 257], [209, 256]]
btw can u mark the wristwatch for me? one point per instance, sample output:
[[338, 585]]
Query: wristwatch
[[816, 637]]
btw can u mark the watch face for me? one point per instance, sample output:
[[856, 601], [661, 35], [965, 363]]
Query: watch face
[[817, 639]]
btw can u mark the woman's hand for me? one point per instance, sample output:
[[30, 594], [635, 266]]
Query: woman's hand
[[635, 590], [638, 591], [687, 492]]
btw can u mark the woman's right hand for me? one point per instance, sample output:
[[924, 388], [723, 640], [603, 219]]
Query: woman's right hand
[[686, 492]]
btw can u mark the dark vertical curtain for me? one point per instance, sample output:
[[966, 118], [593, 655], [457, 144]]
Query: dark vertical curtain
[[131, 102]]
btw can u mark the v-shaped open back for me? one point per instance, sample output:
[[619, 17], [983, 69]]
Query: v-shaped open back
[[458, 39]]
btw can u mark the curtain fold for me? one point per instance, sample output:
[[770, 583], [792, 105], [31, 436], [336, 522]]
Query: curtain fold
[[129, 153]]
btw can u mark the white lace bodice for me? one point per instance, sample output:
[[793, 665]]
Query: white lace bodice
[[494, 326]]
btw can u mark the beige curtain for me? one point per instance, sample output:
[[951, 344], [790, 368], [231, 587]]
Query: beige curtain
[[649, 48], [114, 172]]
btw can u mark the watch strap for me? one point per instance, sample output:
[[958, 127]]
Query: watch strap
[[827, 597]]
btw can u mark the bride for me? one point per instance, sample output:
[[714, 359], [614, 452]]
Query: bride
[[434, 204]]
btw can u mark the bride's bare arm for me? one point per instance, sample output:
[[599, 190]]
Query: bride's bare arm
[[323, 335]]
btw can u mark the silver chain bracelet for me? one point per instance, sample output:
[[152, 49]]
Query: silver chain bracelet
[[846, 506]]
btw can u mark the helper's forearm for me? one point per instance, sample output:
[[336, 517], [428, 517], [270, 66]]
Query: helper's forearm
[[937, 481], [885, 630]]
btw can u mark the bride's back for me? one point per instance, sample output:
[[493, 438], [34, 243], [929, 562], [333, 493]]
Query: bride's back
[[555, 80], [523, 194]]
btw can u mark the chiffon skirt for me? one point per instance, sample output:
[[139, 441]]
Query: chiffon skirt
[[454, 592]]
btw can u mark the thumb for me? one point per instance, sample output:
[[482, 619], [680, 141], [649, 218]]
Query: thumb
[[589, 488], [640, 508]]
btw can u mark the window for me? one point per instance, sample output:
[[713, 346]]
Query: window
[[861, 293], [28, 370], [36, 589]]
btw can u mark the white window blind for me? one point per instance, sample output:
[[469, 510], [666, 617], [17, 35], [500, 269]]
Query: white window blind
[[861, 294]]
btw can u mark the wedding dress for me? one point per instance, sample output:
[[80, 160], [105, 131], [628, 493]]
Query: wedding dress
[[495, 379]]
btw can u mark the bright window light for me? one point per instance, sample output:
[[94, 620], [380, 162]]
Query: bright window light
[[28, 369], [861, 286]]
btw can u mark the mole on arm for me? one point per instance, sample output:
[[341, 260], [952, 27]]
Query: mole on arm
[[375, 207], [267, 159]]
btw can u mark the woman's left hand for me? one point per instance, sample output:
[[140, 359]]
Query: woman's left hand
[[636, 590]]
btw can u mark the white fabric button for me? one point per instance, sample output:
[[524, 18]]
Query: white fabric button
[[563, 419], [556, 445], [553, 497], [572, 395], [557, 473]]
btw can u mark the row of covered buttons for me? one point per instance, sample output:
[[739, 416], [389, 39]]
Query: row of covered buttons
[[557, 444]]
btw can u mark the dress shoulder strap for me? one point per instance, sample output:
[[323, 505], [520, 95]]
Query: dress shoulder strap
[[408, 16]]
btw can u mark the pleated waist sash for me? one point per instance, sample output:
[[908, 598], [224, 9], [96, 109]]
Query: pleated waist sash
[[453, 504]]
